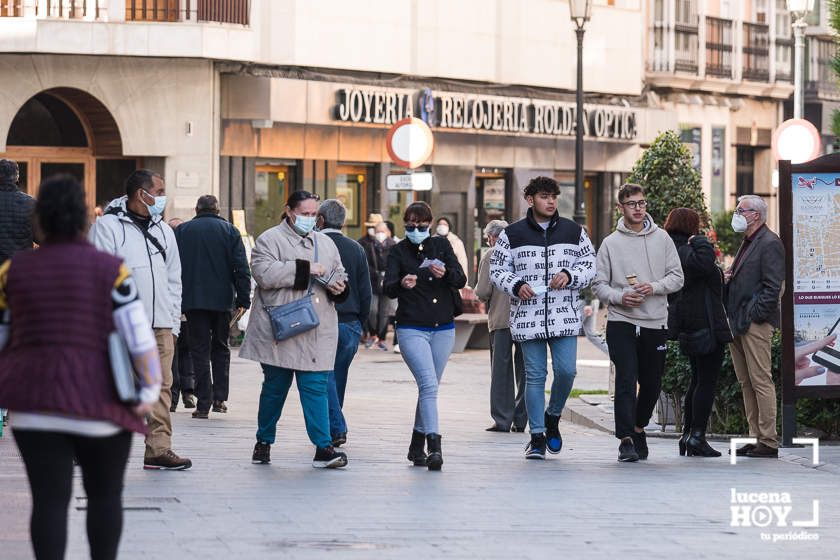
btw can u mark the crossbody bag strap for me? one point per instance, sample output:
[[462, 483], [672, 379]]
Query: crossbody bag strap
[[315, 260]]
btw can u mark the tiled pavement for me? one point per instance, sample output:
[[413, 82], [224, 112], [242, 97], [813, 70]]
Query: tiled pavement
[[488, 502]]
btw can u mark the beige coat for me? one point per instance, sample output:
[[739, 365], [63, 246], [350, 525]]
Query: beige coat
[[498, 302], [273, 266]]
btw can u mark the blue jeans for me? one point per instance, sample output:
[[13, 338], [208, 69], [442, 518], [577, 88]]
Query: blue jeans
[[426, 353], [564, 363], [349, 335], [312, 386]]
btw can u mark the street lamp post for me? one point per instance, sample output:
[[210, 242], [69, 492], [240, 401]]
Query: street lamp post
[[579, 11], [799, 9]]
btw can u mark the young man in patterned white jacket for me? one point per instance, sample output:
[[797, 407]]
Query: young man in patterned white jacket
[[543, 261]]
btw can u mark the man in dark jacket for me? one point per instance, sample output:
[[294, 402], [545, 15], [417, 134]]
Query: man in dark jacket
[[352, 312], [754, 286], [215, 277], [15, 212]]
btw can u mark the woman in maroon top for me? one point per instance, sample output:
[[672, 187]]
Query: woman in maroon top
[[58, 305]]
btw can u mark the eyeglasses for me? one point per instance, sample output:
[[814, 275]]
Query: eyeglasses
[[742, 211], [418, 227], [635, 204]]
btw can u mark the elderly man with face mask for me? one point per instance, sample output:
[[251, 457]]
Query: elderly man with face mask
[[507, 374], [753, 289]]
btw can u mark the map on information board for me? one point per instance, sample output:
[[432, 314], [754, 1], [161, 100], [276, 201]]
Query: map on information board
[[816, 272]]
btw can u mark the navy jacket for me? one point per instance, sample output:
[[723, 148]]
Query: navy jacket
[[15, 220], [357, 305], [214, 267]]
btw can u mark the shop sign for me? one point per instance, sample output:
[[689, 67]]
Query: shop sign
[[409, 182], [486, 113]]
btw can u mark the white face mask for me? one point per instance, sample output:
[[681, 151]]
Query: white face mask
[[381, 236], [739, 223], [442, 230], [371, 231]]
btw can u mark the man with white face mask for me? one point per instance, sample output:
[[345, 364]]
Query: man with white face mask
[[133, 228], [754, 286]]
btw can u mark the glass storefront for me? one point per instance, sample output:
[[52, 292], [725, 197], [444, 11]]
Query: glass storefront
[[271, 188], [491, 203], [351, 184]]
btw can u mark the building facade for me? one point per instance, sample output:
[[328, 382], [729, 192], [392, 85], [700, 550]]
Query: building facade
[[725, 68], [250, 100]]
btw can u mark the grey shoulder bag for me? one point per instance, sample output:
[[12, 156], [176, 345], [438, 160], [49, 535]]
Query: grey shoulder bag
[[295, 317]]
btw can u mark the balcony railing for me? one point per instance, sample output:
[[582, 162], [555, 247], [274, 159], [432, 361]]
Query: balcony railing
[[10, 8], [820, 79], [686, 46], [719, 47], [686, 37], [784, 59], [219, 11], [756, 52]]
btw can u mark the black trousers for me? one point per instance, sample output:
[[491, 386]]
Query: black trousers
[[183, 378], [701, 392], [639, 357], [48, 457], [208, 341]]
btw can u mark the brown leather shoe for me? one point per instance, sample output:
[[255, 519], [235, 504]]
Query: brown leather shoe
[[764, 452], [168, 461], [743, 450]]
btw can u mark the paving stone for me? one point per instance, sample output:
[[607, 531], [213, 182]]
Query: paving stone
[[487, 502]]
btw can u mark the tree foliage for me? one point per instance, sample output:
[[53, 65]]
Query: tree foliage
[[667, 173]]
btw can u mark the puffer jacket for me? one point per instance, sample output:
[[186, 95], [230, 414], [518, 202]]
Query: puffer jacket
[[280, 264], [15, 220], [158, 279], [526, 253]]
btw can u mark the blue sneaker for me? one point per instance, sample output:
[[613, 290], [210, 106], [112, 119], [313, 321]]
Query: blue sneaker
[[536, 447], [554, 441]]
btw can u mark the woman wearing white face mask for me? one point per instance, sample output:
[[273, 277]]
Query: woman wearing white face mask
[[444, 229], [424, 275], [285, 265]]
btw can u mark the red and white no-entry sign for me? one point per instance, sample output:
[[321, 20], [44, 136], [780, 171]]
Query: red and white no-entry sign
[[410, 142]]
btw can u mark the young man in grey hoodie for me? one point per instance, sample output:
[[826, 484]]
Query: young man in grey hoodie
[[637, 268]]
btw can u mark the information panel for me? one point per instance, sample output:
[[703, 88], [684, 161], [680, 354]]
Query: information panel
[[816, 277]]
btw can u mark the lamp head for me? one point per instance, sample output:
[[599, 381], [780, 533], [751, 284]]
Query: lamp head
[[580, 10], [800, 8]]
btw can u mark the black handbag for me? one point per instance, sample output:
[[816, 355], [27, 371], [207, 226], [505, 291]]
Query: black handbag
[[702, 341], [295, 317]]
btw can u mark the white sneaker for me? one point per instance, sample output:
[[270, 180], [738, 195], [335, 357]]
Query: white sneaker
[[396, 348]]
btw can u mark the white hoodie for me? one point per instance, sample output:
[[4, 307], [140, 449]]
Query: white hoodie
[[651, 256], [158, 280]]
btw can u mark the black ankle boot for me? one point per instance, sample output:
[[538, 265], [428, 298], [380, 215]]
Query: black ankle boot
[[435, 459], [416, 454], [697, 446], [685, 435]]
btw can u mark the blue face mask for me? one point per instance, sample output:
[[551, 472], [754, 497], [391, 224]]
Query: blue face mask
[[304, 224], [417, 237], [158, 207]]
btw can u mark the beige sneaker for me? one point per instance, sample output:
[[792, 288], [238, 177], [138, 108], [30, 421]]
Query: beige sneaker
[[168, 461]]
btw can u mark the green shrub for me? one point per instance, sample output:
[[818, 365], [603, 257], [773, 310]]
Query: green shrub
[[667, 173], [728, 240]]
